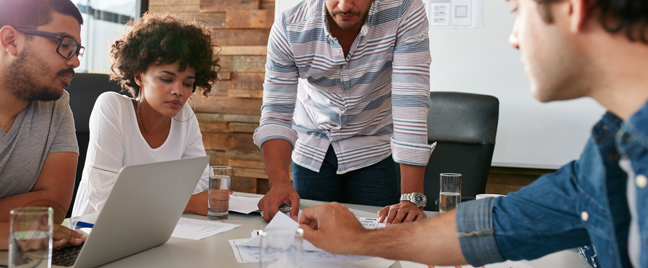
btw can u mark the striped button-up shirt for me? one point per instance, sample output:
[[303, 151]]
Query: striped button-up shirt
[[369, 104]]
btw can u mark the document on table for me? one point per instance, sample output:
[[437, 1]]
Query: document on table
[[370, 223], [242, 204], [199, 229], [249, 254], [506, 264]]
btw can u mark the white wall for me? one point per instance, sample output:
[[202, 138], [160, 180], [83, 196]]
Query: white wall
[[530, 134]]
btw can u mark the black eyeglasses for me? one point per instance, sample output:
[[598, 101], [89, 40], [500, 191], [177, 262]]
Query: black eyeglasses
[[67, 47]]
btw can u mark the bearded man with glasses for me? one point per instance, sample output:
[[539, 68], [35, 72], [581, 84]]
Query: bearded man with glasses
[[40, 47]]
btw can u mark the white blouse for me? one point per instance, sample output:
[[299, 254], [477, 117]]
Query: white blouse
[[116, 141]]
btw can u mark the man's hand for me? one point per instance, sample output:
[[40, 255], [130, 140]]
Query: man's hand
[[403, 212], [280, 193], [62, 236], [332, 228]]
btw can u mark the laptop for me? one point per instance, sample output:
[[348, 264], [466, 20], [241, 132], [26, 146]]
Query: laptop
[[142, 210]]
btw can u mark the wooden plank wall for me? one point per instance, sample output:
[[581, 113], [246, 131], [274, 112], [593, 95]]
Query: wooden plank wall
[[230, 115], [228, 118]]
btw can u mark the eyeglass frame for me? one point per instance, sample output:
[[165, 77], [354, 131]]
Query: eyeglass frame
[[78, 51]]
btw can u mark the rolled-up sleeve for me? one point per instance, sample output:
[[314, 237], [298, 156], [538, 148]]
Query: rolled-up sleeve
[[279, 90], [411, 88], [476, 233]]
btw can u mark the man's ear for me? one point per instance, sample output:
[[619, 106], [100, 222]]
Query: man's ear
[[8, 40], [579, 13]]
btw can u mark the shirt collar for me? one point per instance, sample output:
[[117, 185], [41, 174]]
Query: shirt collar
[[365, 26]]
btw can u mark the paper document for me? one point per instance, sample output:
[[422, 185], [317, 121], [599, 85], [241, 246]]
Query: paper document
[[280, 220], [313, 259], [455, 13], [242, 204], [371, 223], [199, 229], [506, 264]]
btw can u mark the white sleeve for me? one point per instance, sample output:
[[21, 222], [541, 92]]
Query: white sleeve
[[196, 148], [105, 149]]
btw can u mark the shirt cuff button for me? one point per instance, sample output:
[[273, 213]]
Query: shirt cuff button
[[584, 215], [641, 181]]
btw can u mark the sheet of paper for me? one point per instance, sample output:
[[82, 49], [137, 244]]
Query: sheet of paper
[[199, 229], [281, 221], [506, 264], [455, 13], [248, 254], [370, 223], [242, 204]]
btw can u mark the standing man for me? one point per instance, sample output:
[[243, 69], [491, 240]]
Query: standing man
[[40, 41], [347, 93], [571, 49]]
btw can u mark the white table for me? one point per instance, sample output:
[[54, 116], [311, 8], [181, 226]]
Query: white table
[[215, 251]]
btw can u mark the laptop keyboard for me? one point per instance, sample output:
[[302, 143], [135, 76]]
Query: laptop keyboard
[[65, 256]]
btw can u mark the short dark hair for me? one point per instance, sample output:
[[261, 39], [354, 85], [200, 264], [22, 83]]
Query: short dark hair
[[629, 16], [34, 13], [164, 39]]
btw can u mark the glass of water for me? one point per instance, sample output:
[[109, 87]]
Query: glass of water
[[281, 248], [219, 193], [450, 191], [30, 237]]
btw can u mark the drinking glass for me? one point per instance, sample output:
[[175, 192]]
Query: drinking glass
[[450, 191], [281, 248], [30, 237], [219, 193]]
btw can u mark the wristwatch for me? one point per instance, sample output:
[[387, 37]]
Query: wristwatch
[[419, 199]]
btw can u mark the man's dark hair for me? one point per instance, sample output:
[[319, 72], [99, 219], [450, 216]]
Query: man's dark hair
[[34, 13], [629, 16]]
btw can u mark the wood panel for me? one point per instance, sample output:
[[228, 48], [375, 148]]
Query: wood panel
[[248, 80], [242, 63], [268, 4], [223, 5], [174, 2], [225, 105], [249, 19], [245, 155], [243, 184], [250, 172], [174, 9], [242, 50], [243, 127], [246, 163], [228, 117], [503, 180], [228, 141], [216, 158], [241, 37], [213, 126], [245, 93]]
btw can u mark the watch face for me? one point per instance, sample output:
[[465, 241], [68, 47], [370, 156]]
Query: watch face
[[418, 199]]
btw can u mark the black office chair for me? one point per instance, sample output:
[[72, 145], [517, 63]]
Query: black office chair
[[464, 126], [84, 90]]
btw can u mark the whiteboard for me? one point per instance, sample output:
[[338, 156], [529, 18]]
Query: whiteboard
[[530, 134]]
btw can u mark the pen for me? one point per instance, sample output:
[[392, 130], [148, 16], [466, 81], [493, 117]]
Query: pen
[[82, 224]]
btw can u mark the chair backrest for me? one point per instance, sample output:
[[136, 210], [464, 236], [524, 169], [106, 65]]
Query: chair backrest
[[84, 90], [464, 126]]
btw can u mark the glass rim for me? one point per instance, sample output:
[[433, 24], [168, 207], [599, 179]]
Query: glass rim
[[450, 174], [284, 230], [14, 211]]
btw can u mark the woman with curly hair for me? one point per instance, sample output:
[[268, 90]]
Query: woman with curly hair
[[160, 61]]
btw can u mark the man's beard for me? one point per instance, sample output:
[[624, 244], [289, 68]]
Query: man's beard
[[23, 74]]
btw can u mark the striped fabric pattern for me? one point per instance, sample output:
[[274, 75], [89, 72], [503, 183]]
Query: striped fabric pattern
[[369, 104]]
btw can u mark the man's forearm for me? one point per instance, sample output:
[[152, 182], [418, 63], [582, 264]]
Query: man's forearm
[[276, 156], [412, 178], [432, 241], [34, 199]]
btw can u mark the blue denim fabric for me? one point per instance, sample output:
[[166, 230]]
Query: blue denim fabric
[[375, 185], [547, 216]]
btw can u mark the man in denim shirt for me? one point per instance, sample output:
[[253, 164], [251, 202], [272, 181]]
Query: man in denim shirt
[[571, 49]]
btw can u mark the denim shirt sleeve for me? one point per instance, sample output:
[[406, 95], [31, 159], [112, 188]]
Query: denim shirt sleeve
[[476, 233]]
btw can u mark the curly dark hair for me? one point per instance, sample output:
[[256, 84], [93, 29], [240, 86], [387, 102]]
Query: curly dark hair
[[164, 39], [629, 16]]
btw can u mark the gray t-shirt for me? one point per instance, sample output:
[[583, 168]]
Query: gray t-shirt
[[43, 127]]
